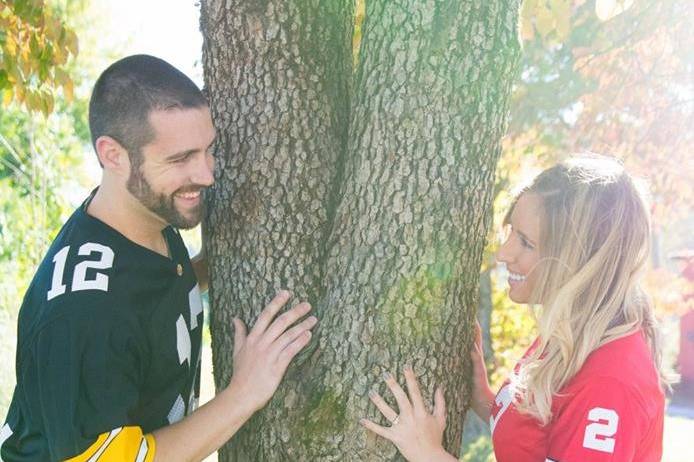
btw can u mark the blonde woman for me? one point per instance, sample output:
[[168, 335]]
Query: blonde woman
[[589, 388]]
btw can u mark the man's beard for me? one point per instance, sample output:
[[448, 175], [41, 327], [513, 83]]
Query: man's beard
[[161, 204]]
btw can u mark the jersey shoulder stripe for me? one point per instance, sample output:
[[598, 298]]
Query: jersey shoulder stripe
[[122, 443]]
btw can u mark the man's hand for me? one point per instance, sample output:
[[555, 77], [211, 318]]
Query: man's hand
[[261, 357], [260, 360]]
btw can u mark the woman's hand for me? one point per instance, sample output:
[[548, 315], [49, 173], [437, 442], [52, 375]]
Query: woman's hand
[[417, 433], [482, 395]]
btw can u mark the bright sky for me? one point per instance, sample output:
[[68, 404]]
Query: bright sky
[[167, 29]]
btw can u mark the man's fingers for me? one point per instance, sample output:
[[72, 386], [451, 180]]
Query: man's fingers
[[382, 406], [269, 313], [413, 389], [292, 334], [377, 429], [404, 405], [239, 334], [440, 406], [282, 323], [292, 349]]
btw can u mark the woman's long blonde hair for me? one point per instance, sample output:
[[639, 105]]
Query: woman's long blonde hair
[[594, 242]]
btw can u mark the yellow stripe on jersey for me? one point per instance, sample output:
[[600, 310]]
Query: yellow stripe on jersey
[[120, 444]]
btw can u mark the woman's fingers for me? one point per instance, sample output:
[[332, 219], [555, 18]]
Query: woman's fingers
[[478, 333], [440, 407], [385, 432], [413, 389], [382, 406], [400, 397]]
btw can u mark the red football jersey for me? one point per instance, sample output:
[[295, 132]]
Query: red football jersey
[[611, 410]]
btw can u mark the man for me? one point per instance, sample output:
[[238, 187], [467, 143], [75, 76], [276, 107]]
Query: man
[[108, 348]]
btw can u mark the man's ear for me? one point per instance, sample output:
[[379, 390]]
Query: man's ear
[[112, 156]]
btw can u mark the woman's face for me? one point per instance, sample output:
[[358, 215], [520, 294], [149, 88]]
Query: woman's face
[[520, 252]]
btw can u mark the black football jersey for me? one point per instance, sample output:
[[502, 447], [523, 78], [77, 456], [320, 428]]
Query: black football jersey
[[108, 346]]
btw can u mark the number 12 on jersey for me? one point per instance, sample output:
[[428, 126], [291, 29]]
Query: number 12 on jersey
[[79, 276]]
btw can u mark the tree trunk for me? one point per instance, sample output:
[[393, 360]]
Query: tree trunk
[[392, 187], [277, 76]]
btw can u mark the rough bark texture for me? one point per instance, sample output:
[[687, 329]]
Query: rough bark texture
[[428, 114], [277, 76], [375, 208]]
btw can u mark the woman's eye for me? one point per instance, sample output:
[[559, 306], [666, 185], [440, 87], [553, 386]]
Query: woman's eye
[[526, 244]]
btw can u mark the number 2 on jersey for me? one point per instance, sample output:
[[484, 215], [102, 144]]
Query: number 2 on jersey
[[79, 277], [599, 434]]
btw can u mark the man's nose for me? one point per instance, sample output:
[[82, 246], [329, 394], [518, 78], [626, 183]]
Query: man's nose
[[204, 171]]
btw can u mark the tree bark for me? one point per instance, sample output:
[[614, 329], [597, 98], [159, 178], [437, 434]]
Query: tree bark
[[393, 182], [277, 74]]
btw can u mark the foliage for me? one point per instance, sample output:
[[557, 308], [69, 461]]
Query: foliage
[[480, 450], [40, 154], [36, 46], [607, 76]]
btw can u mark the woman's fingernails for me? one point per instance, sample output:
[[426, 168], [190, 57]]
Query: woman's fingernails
[[387, 375], [372, 393], [408, 367]]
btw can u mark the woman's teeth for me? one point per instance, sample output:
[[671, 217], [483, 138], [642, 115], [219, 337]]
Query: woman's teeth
[[516, 277]]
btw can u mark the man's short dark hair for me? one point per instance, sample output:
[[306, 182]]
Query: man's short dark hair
[[128, 90]]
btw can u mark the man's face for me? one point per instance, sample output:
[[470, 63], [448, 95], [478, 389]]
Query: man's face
[[176, 166]]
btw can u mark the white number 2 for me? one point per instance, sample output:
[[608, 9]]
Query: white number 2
[[599, 434], [79, 277]]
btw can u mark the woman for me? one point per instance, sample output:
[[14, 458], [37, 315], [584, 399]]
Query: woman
[[590, 387]]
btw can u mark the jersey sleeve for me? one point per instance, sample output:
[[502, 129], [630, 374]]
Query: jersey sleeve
[[602, 421], [87, 372]]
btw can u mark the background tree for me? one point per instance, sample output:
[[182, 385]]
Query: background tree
[[363, 189], [607, 76], [43, 133]]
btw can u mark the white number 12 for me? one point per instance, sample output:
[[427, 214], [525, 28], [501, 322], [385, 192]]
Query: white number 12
[[79, 277], [599, 435]]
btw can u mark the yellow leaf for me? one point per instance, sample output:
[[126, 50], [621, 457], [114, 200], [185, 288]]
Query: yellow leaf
[[72, 42], [5, 11], [46, 103], [562, 17], [69, 89], [11, 45], [7, 96], [608, 9], [544, 21], [526, 20]]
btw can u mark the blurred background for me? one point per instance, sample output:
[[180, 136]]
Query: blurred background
[[607, 76]]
